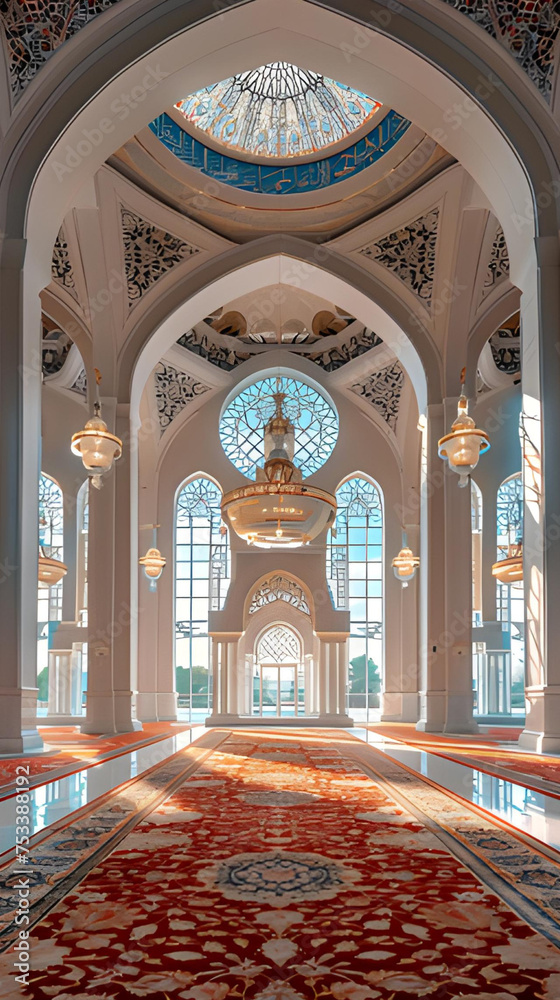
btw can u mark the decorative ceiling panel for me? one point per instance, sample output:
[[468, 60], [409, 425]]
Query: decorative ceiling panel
[[383, 391], [149, 253], [498, 265], [527, 30], [410, 252], [62, 270], [174, 391], [35, 29]]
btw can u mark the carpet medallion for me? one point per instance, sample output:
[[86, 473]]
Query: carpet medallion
[[280, 869]]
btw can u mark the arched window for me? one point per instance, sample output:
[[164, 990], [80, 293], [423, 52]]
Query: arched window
[[279, 644], [201, 583], [82, 560], [49, 601], [510, 599], [476, 528], [355, 572]]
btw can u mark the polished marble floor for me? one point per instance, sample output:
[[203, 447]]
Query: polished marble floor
[[56, 799], [531, 812]]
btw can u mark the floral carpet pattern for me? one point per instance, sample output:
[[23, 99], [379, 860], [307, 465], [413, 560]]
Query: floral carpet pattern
[[280, 870]]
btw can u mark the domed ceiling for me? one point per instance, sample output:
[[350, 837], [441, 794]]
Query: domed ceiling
[[278, 110], [280, 148]]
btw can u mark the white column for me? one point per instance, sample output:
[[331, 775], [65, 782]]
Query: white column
[[225, 709], [20, 407], [332, 659], [446, 699], [110, 614], [332, 679], [215, 676], [323, 677], [342, 675]]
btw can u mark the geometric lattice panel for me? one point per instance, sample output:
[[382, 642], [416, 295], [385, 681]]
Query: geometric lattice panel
[[410, 253]]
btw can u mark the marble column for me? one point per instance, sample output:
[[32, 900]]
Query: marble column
[[446, 575], [20, 407], [110, 614], [333, 670], [228, 689]]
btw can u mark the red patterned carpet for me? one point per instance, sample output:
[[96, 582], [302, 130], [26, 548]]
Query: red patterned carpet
[[279, 870]]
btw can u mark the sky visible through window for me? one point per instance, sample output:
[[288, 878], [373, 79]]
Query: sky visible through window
[[278, 110]]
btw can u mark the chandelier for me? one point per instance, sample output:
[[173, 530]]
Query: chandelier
[[96, 446], [405, 564], [278, 510], [466, 443]]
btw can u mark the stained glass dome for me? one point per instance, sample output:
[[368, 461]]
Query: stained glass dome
[[278, 110], [314, 419]]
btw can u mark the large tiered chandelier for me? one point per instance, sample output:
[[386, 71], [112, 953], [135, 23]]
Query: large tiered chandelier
[[278, 510]]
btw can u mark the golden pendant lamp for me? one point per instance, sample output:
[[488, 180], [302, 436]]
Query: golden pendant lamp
[[405, 564], [96, 446], [509, 571], [464, 445], [153, 562]]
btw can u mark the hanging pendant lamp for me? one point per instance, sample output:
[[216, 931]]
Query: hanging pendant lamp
[[96, 446], [466, 443], [509, 571], [51, 571], [405, 564], [153, 562]]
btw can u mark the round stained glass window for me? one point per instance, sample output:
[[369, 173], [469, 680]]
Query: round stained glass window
[[242, 424], [278, 110]]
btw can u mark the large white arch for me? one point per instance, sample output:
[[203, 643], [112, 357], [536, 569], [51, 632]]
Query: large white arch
[[272, 270], [254, 33]]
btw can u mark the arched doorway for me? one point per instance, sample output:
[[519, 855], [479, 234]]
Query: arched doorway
[[279, 673]]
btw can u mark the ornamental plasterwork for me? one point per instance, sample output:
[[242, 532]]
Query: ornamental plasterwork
[[498, 265], [202, 345], [55, 350], [410, 252], [383, 391], [35, 29], [174, 390], [528, 31], [149, 253], [79, 384], [505, 345], [279, 588], [336, 357], [61, 266]]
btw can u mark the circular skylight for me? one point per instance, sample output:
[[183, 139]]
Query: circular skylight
[[278, 110], [313, 417]]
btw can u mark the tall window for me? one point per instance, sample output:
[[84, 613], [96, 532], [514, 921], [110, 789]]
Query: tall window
[[510, 599], [476, 527], [49, 602], [201, 583], [355, 571]]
